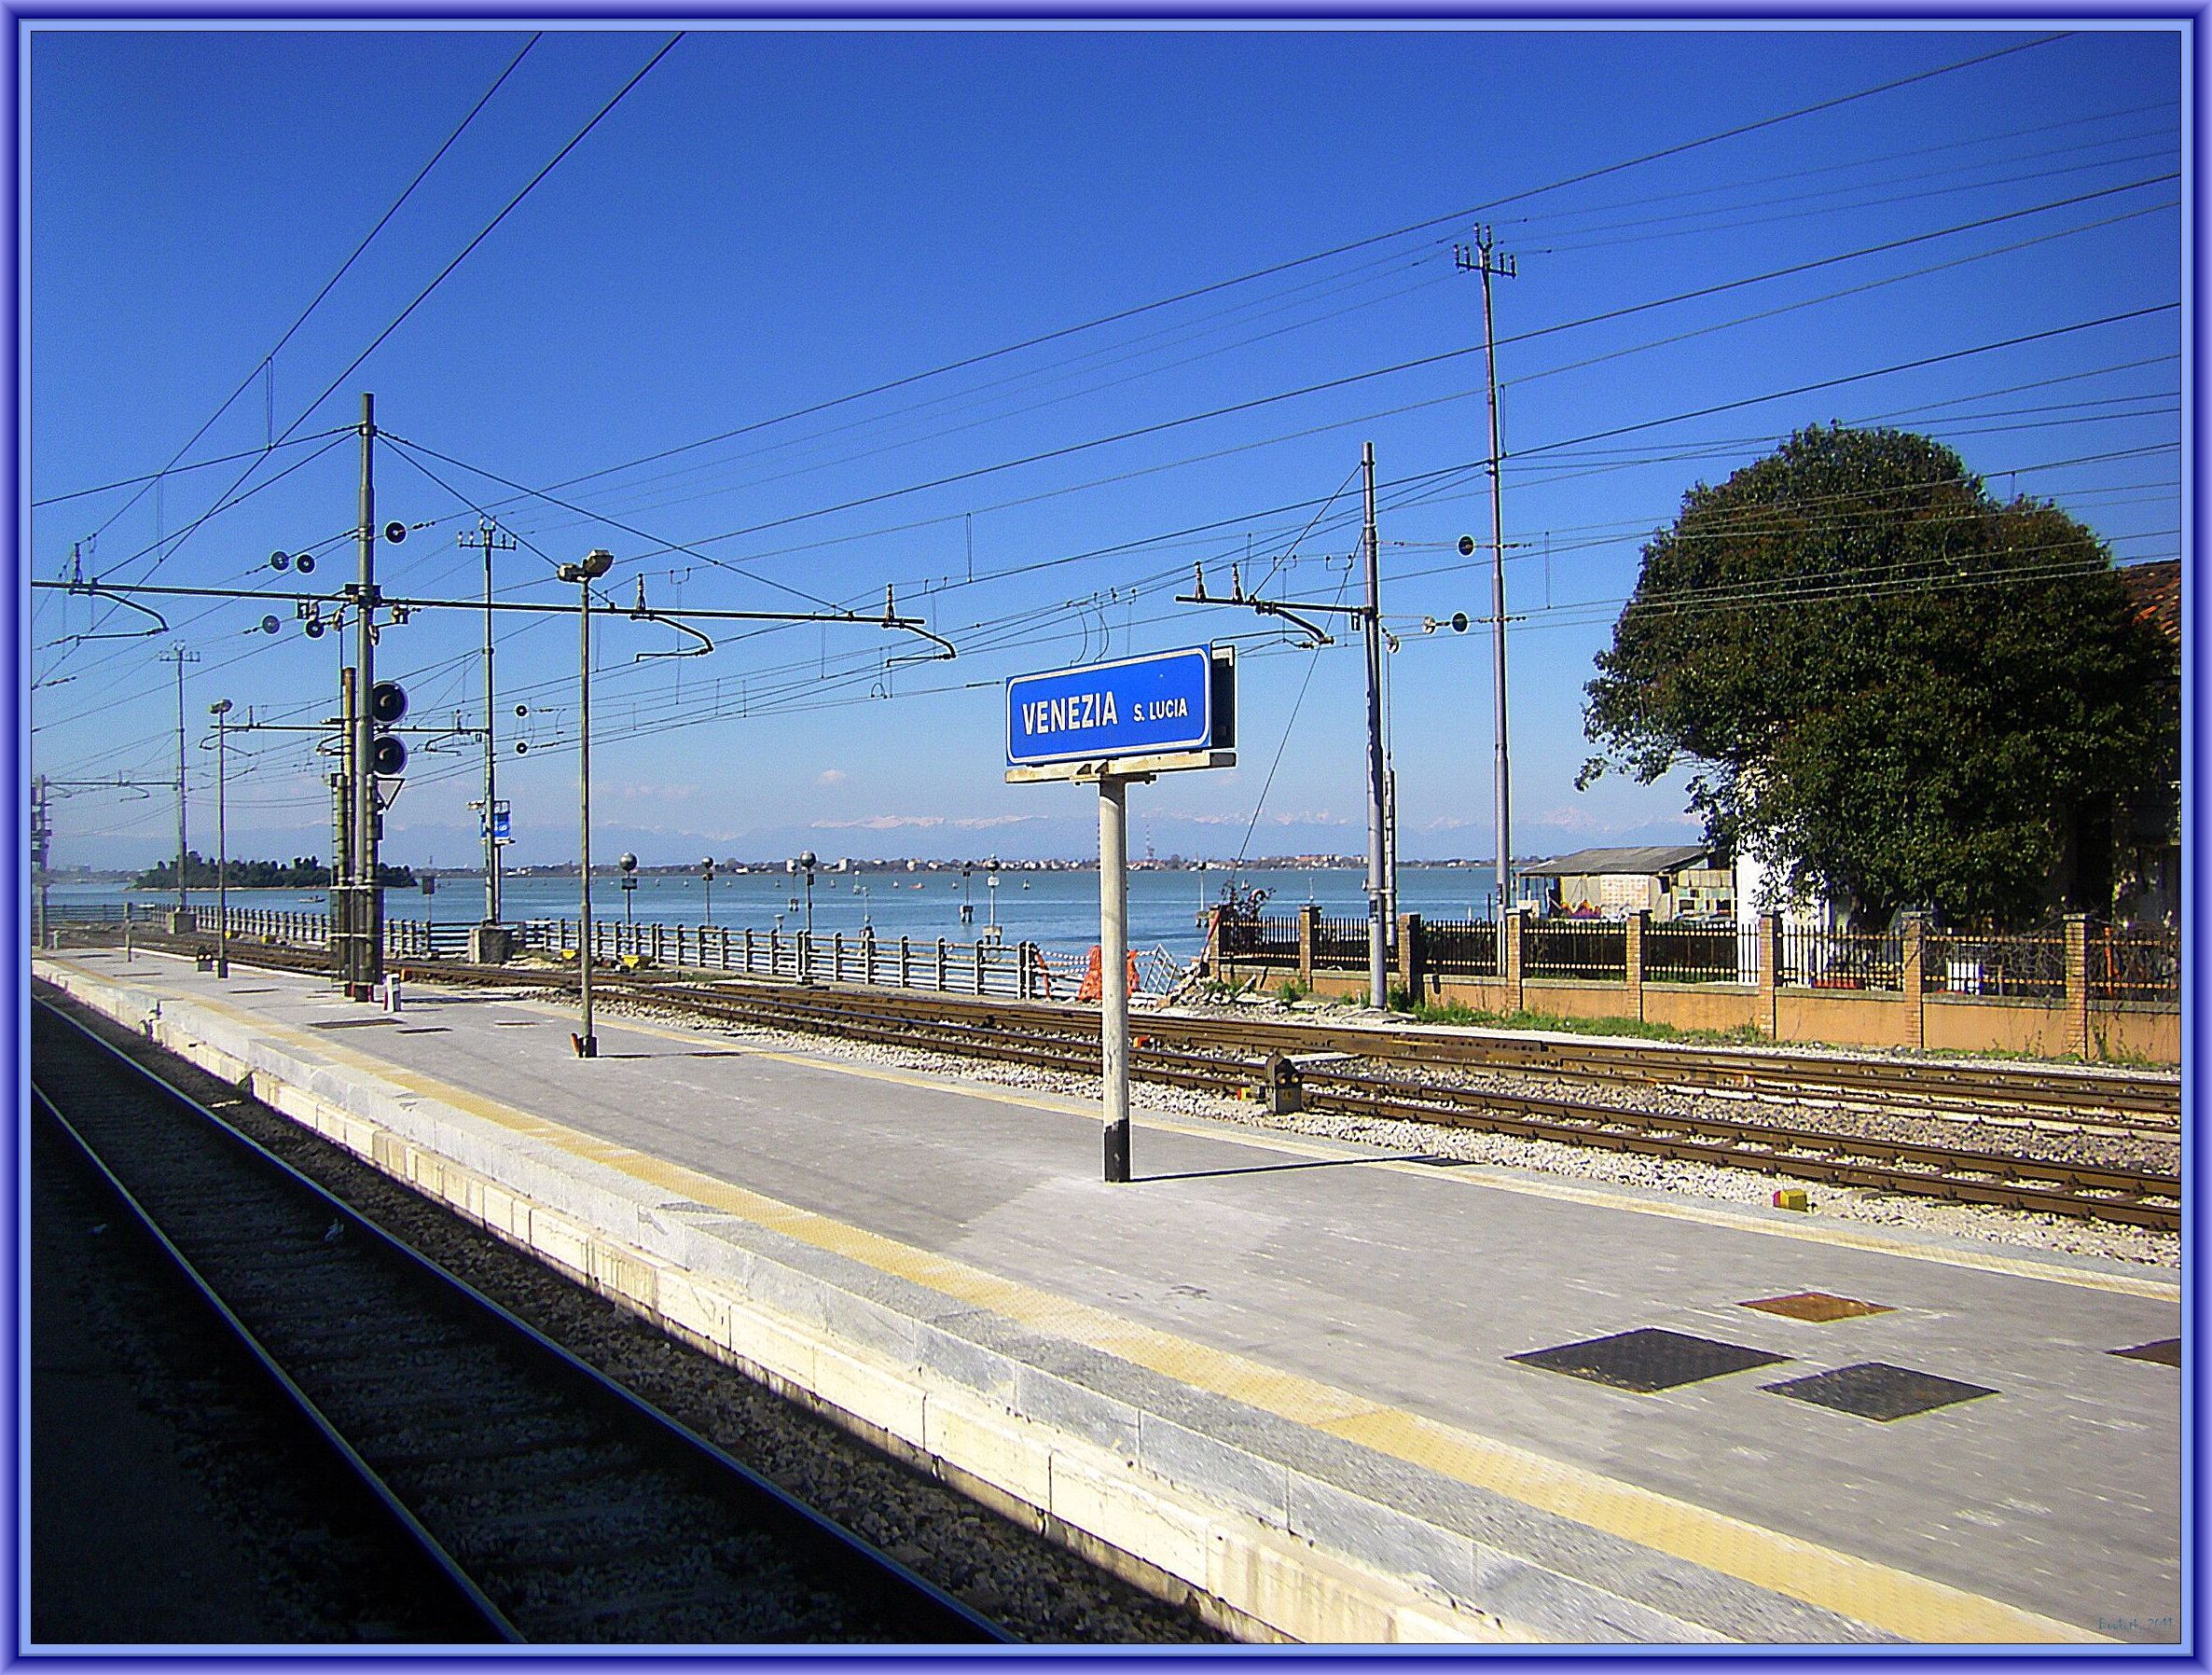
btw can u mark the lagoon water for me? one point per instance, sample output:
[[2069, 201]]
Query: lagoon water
[[1058, 911]]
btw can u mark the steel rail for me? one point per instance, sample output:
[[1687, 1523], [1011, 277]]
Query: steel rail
[[1776, 1074], [1216, 1057], [894, 1592], [466, 1598]]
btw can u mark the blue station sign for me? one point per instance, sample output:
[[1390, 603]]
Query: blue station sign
[[1154, 705]]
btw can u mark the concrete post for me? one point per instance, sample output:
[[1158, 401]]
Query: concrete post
[[1307, 928], [1770, 971], [1409, 957], [2077, 939], [1640, 922], [1914, 980], [1514, 993]]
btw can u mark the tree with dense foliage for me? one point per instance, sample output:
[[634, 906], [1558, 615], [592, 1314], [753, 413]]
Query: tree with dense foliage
[[1903, 691]]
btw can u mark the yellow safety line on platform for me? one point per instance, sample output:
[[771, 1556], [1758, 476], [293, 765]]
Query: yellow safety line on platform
[[1877, 1595]]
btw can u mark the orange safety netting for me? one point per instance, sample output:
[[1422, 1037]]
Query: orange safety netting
[[1094, 980]]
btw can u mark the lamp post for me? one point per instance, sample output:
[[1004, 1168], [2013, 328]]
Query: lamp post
[[629, 862], [595, 564], [864, 905], [707, 873], [991, 878], [967, 899], [804, 862], [220, 709]]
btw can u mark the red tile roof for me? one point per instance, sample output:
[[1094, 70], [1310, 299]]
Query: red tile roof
[[2155, 590]]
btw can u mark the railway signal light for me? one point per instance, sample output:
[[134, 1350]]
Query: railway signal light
[[387, 707]]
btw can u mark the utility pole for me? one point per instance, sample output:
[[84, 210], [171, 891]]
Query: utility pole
[[1483, 260], [342, 900], [1377, 814], [181, 924], [491, 539], [220, 709], [1369, 615], [366, 964], [42, 834]]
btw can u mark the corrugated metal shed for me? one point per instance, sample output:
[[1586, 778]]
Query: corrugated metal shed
[[1651, 859]]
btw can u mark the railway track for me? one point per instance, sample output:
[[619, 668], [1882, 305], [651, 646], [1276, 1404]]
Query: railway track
[[1229, 1057], [557, 1507]]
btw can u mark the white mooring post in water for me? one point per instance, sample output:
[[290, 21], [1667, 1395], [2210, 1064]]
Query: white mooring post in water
[[1115, 725]]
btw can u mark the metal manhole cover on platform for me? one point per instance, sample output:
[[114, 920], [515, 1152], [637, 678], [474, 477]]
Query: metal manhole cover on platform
[[1648, 1358], [1816, 1306], [1874, 1390], [2167, 1351]]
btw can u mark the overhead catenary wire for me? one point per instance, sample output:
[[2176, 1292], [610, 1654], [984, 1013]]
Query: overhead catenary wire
[[442, 275], [1345, 381], [316, 301], [1599, 172]]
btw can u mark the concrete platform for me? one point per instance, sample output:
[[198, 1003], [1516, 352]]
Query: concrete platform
[[1277, 1374]]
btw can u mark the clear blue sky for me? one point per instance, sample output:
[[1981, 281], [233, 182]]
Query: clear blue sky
[[775, 218]]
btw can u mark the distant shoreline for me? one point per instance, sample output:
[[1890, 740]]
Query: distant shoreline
[[860, 869]]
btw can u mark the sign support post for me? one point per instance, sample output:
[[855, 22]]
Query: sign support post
[[1114, 724], [1113, 969]]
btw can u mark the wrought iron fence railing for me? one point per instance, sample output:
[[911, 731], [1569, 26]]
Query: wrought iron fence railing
[[1459, 947], [1819, 958], [1339, 941], [1701, 953], [1575, 947], [1993, 968], [2138, 966], [1258, 941]]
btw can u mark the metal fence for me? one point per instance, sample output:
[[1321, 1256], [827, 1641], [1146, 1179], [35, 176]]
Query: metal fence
[[91, 913], [1575, 947], [410, 939], [1016, 970], [1257, 941], [1339, 941], [1818, 958], [2030, 967], [2131, 965], [1459, 947], [1701, 953]]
